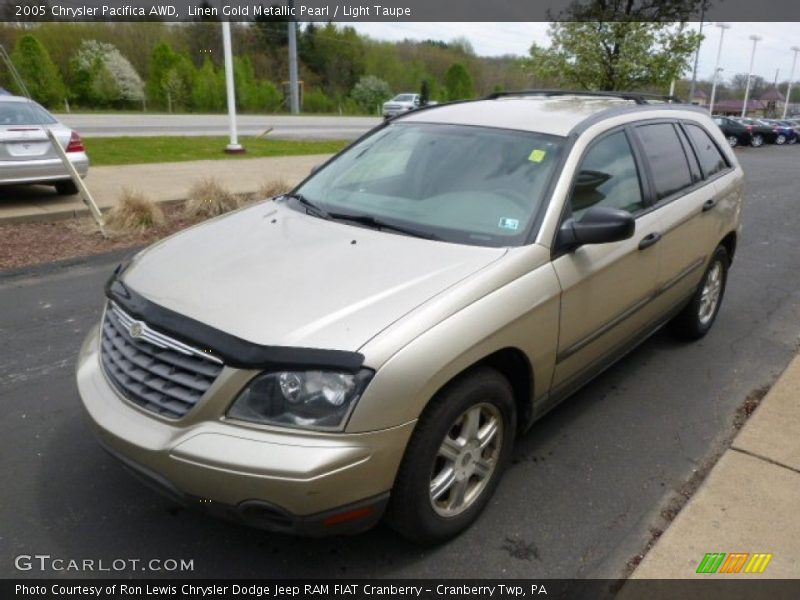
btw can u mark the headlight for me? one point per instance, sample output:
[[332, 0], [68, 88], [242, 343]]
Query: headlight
[[305, 399]]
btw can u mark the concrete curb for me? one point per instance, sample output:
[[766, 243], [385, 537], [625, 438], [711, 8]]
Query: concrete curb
[[71, 213], [746, 505]]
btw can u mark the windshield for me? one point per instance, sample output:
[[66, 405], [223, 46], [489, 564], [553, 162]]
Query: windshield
[[404, 98], [465, 184], [24, 113]]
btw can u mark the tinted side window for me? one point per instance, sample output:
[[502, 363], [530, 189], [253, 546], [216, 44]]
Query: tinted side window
[[711, 159], [607, 177], [694, 166], [667, 159]]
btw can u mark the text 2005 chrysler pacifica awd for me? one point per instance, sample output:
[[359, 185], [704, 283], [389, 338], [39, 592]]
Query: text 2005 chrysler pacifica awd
[[370, 345]]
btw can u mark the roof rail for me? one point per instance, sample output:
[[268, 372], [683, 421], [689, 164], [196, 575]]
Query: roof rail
[[637, 97]]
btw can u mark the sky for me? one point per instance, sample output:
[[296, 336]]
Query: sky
[[496, 39]]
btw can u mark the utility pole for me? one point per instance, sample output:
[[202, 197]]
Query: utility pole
[[755, 39], [233, 147], [294, 100], [697, 53], [794, 49], [717, 69]]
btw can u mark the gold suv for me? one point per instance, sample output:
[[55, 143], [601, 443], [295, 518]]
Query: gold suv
[[371, 344]]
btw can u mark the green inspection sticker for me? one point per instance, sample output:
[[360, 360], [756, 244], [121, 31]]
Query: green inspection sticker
[[506, 223], [537, 156]]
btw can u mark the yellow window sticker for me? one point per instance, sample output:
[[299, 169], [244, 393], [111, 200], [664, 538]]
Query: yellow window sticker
[[537, 156]]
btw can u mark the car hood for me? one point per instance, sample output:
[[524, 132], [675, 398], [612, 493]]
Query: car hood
[[278, 277]]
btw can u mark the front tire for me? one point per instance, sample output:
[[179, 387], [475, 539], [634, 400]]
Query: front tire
[[696, 319], [780, 140], [455, 458], [733, 141], [758, 141]]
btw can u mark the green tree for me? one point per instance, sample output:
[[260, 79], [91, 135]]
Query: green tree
[[458, 83], [336, 56], [253, 94], [600, 45], [169, 83], [208, 88], [369, 92], [316, 101], [38, 72], [424, 93]]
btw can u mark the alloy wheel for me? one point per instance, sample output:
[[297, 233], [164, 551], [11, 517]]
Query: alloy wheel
[[466, 459], [709, 297]]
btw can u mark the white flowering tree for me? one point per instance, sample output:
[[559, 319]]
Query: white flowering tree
[[370, 92], [104, 76]]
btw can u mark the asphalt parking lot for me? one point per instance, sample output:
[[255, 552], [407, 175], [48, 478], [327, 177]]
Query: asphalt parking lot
[[586, 486]]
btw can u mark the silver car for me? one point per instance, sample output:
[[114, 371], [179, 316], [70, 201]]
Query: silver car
[[372, 343], [26, 153]]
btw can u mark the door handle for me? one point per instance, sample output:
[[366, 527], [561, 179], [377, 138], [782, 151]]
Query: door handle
[[649, 240], [709, 204]]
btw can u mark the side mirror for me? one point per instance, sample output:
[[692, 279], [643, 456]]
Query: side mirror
[[599, 225]]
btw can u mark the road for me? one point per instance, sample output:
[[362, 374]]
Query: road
[[585, 488], [283, 126]]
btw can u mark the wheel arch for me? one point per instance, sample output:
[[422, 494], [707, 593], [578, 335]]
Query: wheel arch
[[729, 243], [515, 366]]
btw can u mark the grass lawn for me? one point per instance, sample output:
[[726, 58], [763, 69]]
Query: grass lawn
[[138, 150]]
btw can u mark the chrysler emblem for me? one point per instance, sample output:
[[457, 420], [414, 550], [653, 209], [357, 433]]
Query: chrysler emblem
[[136, 329]]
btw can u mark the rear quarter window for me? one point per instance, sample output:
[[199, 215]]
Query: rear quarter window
[[711, 159]]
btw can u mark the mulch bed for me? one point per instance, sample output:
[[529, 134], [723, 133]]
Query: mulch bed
[[28, 244]]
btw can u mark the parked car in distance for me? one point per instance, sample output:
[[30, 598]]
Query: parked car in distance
[[735, 133], [760, 132], [794, 125], [371, 344], [785, 134], [27, 154], [403, 103]]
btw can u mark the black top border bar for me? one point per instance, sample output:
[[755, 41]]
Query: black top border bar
[[395, 10]]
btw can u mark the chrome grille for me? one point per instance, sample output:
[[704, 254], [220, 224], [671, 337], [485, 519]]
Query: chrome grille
[[151, 369]]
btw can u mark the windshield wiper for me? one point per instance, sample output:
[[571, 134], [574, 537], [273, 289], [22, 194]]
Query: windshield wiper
[[370, 221], [310, 207]]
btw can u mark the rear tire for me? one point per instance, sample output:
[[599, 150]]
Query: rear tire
[[780, 140], [758, 141], [696, 319], [455, 458], [66, 188]]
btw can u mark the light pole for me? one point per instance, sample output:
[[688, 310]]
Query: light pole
[[794, 49], [717, 72], [697, 52], [717, 69], [294, 101], [755, 39], [233, 147]]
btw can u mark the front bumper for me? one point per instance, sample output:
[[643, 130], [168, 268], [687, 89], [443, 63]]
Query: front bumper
[[295, 481]]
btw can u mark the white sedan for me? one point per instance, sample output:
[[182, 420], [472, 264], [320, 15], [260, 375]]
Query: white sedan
[[26, 153]]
